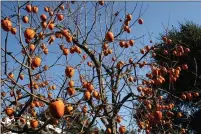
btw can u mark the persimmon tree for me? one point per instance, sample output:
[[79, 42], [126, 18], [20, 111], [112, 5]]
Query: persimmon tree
[[185, 39], [77, 67]]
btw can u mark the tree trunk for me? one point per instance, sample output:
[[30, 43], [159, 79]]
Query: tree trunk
[[114, 126]]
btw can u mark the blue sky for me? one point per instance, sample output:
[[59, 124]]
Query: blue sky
[[161, 12], [156, 14]]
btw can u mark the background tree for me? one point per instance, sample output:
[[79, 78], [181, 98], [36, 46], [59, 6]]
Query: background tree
[[186, 38]]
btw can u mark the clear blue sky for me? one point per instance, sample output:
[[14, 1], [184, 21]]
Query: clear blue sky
[[156, 14], [174, 12]]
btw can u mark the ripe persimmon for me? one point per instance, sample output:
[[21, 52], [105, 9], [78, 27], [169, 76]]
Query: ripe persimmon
[[71, 91], [46, 9], [121, 43], [9, 111], [69, 71], [131, 42], [54, 87], [49, 95], [51, 26], [96, 95], [34, 123], [51, 39], [62, 7], [37, 103], [118, 118], [28, 8], [51, 13], [35, 86], [101, 2], [31, 47], [126, 22], [87, 95], [29, 33], [126, 28], [57, 108], [164, 38], [35, 9], [105, 46], [187, 50], [130, 79], [120, 64], [11, 75], [43, 17], [65, 51], [189, 96], [109, 51], [42, 46], [71, 83], [60, 17], [65, 32], [142, 51], [109, 36], [122, 129], [183, 96], [129, 17], [36, 62], [69, 38], [140, 21], [45, 51], [44, 24], [90, 87], [169, 41], [108, 131], [196, 94], [126, 45], [33, 113], [45, 67], [184, 66], [13, 30], [158, 115], [3, 94], [6, 24]]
